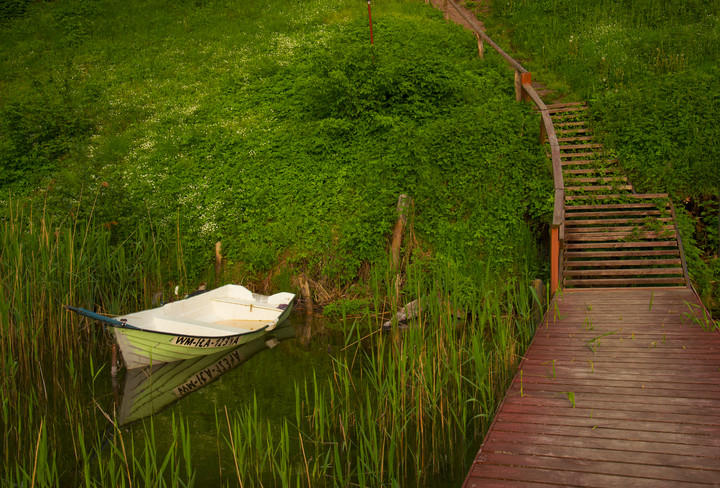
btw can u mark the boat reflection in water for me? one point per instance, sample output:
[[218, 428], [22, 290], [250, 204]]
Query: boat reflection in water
[[151, 389]]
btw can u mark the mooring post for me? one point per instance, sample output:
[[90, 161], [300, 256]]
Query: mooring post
[[402, 209], [113, 366]]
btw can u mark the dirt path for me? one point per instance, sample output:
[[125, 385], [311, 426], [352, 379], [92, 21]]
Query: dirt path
[[454, 16]]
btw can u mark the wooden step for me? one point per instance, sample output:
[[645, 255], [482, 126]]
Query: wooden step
[[619, 282], [605, 197], [618, 236], [598, 188], [604, 207], [565, 104], [579, 123], [572, 131], [610, 213], [616, 263], [623, 272], [601, 163], [585, 155], [568, 114], [570, 230], [610, 171], [620, 244], [620, 254], [573, 139], [594, 145], [596, 179], [576, 222]]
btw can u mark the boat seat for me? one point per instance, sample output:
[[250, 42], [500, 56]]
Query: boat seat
[[197, 328], [250, 303]]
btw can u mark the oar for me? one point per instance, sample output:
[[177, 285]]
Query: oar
[[101, 318]]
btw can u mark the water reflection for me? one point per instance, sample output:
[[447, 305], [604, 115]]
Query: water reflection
[[149, 390]]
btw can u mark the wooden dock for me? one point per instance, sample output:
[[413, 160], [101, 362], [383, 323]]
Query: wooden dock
[[620, 387]]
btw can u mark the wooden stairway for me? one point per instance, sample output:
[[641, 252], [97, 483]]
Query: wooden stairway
[[614, 237]]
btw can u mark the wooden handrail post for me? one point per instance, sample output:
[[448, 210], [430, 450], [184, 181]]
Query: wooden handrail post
[[481, 46], [554, 258], [525, 79], [518, 86], [543, 132], [445, 10]]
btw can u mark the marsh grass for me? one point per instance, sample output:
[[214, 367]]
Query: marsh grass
[[45, 353], [399, 407]]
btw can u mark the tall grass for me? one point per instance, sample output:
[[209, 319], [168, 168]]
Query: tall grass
[[400, 407], [406, 407], [45, 353]]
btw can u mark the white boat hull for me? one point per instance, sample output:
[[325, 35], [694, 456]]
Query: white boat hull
[[205, 324]]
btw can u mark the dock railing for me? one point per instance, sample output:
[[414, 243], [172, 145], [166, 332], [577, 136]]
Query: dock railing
[[525, 92]]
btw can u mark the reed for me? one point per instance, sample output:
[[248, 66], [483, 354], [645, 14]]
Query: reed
[[48, 260], [431, 389]]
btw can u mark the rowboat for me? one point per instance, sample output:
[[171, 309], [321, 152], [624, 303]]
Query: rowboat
[[149, 390], [212, 322]]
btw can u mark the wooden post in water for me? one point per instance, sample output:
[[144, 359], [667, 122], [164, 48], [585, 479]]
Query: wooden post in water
[[402, 209], [113, 364], [554, 258]]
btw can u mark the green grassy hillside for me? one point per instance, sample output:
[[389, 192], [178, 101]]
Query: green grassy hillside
[[270, 126]]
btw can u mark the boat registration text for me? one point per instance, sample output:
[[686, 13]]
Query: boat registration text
[[207, 342]]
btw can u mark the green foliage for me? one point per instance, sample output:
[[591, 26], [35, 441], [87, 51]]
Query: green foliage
[[649, 69], [275, 129], [9, 9]]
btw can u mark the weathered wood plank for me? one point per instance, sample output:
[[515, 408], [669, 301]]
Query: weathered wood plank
[[577, 123], [596, 179], [579, 222], [621, 244], [619, 282], [618, 236], [567, 147], [522, 475], [599, 188], [589, 453], [574, 138], [622, 262], [607, 172], [579, 155], [623, 272], [555, 109], [629, 227], [598, 466], [582, 130], [656, 196]]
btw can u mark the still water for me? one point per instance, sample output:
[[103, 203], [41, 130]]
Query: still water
[[264, 372]]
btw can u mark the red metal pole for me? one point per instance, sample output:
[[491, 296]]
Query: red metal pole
[[370, 19]]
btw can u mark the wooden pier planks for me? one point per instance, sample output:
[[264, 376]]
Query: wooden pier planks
[[619, 388]]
